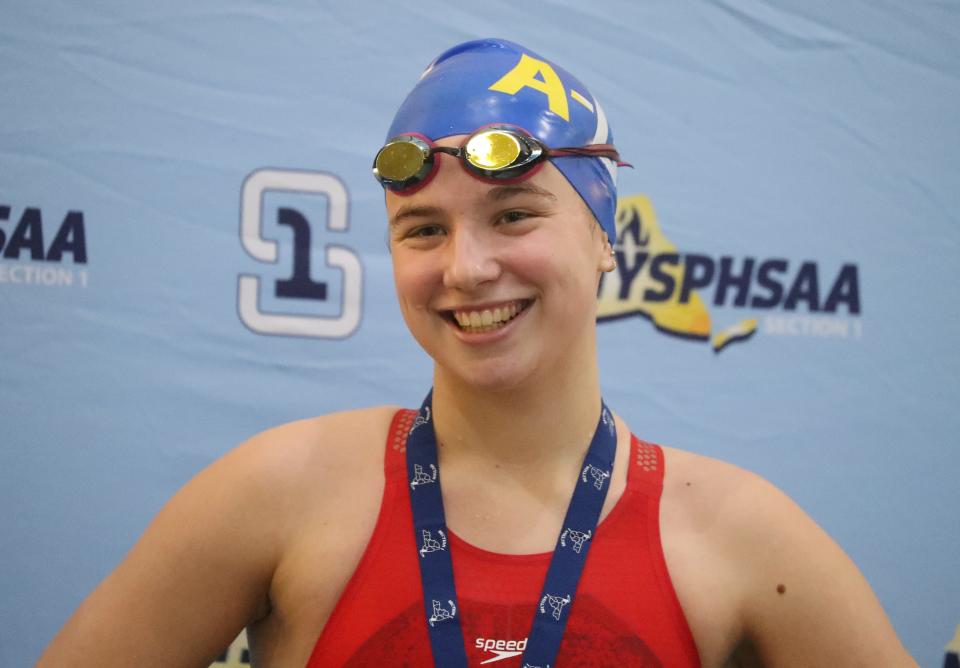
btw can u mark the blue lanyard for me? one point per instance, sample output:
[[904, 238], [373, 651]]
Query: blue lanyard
[[436, 567]]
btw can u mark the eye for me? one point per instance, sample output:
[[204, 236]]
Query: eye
[[424, 232], [513, 216]]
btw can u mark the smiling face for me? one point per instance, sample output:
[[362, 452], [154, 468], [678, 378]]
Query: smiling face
[[498, 283]]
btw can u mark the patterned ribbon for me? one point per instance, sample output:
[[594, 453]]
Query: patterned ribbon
[[570, 554]]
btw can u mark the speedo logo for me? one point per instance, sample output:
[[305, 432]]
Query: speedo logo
[[678, 291], [501, 649]]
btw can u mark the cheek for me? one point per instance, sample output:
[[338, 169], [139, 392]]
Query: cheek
[[564, 266], [413, 282]]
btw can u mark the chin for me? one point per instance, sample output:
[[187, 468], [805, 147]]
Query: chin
[[493, 374], [496, 380]]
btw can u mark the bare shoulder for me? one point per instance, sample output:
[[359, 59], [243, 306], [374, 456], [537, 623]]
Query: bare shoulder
[[298, 465], [699, 482], [324, 485], [304, 450], [327, 435], [780, 584], [184, 590], [731, 505]]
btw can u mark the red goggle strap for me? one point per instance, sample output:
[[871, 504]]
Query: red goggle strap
[[591, 151]]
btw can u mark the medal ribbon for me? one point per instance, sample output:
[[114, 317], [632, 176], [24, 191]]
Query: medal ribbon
[[570, 554]]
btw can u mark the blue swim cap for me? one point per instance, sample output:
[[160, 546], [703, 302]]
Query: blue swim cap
[[495, 81]]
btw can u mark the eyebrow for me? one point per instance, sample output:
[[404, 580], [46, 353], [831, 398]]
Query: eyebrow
[[500, 193], [496, 194], [408, 211]]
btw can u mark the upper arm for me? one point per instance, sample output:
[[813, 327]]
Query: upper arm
[[804, 601], [200, 572]]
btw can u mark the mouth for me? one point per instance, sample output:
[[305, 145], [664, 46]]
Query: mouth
[[486, 319]]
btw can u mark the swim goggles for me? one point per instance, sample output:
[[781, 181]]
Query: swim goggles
[[495, 153]]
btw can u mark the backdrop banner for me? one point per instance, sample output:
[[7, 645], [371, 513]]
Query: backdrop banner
[[192, 250]]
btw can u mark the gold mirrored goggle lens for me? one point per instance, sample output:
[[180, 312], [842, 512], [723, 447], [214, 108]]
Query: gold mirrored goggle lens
[[399, 161], [493, 150]]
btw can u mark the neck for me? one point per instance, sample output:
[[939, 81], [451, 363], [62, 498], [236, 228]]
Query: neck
[[544, 422]]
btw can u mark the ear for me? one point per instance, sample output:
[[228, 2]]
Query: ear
[[608, 261]]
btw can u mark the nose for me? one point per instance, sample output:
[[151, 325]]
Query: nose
[[471, 259]]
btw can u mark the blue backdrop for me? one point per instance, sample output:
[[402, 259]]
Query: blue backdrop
[[790, 236]]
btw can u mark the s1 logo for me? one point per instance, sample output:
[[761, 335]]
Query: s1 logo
[[299, 285]]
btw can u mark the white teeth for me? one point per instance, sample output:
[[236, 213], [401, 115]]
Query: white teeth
[[487, 319]]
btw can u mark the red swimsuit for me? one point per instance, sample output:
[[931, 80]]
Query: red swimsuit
[[626, 612]]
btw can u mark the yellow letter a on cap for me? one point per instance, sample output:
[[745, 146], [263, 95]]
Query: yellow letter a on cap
[[524, 75]]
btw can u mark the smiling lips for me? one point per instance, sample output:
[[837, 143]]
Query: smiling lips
[[488, 319]]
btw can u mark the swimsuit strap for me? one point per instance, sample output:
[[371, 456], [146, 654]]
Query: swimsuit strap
[[395, 459]]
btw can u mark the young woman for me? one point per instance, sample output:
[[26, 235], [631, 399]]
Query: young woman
[[513, 519]]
